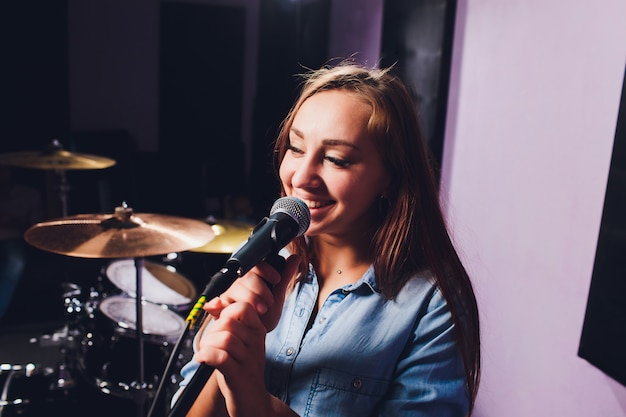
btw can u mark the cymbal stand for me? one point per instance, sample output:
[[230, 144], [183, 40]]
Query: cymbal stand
[[140, 385], [64, 188], [65, 339]]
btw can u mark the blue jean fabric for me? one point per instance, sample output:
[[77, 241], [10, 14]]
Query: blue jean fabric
[[365, 355]]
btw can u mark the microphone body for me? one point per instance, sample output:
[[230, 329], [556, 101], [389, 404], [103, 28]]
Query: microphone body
[[289, 218]]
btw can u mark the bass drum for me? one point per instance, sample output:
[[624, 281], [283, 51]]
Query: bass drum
[[108, 352], [161, 284]]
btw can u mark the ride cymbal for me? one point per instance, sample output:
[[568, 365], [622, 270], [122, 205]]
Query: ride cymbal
[[121, 235], [229, 235], [55, 157]]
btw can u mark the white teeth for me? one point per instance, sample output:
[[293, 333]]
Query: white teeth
[[317, 204]]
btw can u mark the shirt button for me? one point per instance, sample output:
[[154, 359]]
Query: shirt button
[[290, 351], [357, 383], [322, 319]]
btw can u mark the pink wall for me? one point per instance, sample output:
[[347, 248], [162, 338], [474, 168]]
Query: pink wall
[[355, 30], [534, 100]]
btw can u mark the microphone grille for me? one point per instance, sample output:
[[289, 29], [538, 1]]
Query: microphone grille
[[296, 209]]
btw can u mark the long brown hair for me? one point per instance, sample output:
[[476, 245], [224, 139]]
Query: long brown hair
[[411, 234]]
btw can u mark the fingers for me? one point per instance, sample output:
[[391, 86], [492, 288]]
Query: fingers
[[270, 319], [214, 306], [250, 288], [234, 339], [234, 345], [288, 273], [257, 288]]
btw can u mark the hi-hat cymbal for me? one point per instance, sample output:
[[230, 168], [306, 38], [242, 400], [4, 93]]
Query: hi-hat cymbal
[[55, 157], [229, 235], [121, 235]]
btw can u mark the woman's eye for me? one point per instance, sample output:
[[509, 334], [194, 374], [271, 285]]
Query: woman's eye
[[293, 149], [341, 163]]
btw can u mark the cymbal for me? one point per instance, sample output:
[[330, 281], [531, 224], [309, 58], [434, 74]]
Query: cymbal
[[121, 235], [229, 235], [55, 157]]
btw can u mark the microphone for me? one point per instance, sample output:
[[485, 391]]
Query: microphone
[[289, 218]]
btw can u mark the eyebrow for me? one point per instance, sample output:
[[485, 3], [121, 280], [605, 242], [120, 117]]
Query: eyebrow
[[329, 142]]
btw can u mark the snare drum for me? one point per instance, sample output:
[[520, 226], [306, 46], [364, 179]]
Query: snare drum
[[160, 284], [108, 355]]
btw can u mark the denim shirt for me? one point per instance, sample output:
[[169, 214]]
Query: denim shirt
[[365, 355]]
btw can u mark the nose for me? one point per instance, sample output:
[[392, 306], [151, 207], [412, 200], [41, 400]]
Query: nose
[[306, 174]]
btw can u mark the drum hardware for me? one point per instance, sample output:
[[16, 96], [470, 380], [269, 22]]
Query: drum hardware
[[75, 306], [72, 303], [122, 235], [27, 380], [54, 157], [64, 378], [12, 371], [63, 190], [66, 338], [61, 374]]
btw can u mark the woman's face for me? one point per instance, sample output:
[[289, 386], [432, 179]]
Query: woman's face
[[333, 165]]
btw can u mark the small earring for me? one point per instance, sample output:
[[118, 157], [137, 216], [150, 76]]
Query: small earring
[[384, 204]]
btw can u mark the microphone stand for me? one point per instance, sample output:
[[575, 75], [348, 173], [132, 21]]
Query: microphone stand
[[216, 286], [267, 238], [140, 385], [219, 283]]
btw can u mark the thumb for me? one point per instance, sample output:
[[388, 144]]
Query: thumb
[[271, 318], [288, 273]]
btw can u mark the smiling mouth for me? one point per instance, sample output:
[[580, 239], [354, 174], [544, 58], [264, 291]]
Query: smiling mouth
[[318, 204]]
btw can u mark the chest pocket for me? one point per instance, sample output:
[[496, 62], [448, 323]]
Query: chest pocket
[[335, 393]]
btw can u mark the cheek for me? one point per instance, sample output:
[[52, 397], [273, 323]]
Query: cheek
[[353, 194], [363, 192]]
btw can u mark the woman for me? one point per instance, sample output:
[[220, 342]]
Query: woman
[[373, 314]]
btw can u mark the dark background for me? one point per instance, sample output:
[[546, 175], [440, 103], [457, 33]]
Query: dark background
[[199, 161]]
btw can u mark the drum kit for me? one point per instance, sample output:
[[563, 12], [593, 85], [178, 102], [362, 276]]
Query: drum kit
[[119, 333]]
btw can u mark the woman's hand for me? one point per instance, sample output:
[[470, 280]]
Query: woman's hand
[[262, 287], [234, 341], [234, 344]]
